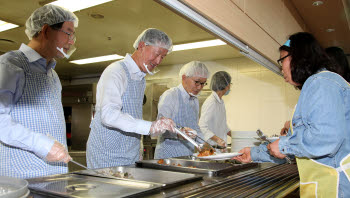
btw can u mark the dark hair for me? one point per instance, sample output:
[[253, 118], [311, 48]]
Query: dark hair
[[307, 57], [337, 55], [56, 26]]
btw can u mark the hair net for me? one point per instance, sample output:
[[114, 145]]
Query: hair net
[[194, 69], [220, 80], [48, 14], [154, 37]]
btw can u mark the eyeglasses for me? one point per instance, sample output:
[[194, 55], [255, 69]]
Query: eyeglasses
[[280, 61], [71, 36], [197, 82]]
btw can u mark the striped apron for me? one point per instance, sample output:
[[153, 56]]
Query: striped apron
[[39, 109], [108, 147], [187, 116]]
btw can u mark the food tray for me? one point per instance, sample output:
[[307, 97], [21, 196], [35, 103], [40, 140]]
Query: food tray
[[73, 185], [192, 166], [159, 177]]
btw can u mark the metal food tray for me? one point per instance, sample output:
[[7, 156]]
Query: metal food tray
[[192, 166], [73, 185], [160, 177]]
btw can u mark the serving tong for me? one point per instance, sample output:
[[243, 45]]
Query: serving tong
[[199, 146], [184, 135], [89, 169], [263, 137]]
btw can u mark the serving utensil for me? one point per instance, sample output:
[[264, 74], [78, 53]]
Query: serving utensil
[[77, 163], [263, 137], [212, 146], [199, 146], [188, 138]]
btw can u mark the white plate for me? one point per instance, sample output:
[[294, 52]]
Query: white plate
[[219, 156], [273, 138]]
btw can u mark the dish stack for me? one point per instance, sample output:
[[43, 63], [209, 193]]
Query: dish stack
[[241, 139]]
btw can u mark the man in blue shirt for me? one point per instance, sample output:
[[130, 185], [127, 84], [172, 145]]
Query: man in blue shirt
[[32, 137]]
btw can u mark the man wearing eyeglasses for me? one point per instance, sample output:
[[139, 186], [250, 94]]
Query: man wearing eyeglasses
[[116, 129], [181, 105], [33, 133]]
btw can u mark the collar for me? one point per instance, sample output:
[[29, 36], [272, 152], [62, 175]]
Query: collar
[[217, 97], [134, 68], [34, 56]]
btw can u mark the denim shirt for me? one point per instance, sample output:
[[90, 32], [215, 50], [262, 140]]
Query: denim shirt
[[321, 123]]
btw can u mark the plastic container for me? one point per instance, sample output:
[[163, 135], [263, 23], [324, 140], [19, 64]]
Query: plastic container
[[241, 139], [13, 188]]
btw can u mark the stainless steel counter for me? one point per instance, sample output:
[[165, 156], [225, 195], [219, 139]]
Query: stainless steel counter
[[266, 180], [263, 180]]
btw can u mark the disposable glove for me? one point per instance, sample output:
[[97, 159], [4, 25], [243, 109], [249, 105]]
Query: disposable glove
[[161, 126], [58, 153], [189, 132]]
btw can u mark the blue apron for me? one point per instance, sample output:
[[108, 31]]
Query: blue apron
[[39, 109], [186, 116], [108, 147]]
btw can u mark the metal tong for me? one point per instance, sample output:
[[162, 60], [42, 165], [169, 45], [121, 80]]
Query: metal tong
[[184, 135], [213, 146], [199, 146], [77, 163], [263, 137]]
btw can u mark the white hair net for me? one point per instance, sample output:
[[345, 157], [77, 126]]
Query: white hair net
[[194, 69], [48, 14], [154, 37], [220, 80]]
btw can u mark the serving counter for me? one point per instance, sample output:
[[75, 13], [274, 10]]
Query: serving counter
[[176, 178]]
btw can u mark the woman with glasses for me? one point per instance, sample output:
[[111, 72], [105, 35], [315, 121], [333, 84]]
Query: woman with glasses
[[213, 122], [319, 135], [181, 105]]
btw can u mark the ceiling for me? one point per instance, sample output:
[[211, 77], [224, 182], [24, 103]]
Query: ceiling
[[124, 20], [332, 14]]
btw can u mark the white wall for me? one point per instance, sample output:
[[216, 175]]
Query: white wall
[[258, 99]]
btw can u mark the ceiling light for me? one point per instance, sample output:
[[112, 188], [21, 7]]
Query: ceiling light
[[317, 3], [202, 44], [187, 46], [97, 59], [6, 26], [75, 5]]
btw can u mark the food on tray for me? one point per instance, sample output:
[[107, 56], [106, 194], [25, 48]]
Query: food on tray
[[118, 174], [121, 174], [206, 153], [161, 161]]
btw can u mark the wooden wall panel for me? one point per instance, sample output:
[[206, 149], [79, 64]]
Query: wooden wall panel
[[263, 25]]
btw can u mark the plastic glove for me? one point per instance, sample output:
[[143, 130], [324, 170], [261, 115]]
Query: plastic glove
[[189, 132], [161, 126], [219, 141], [58, 153]]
